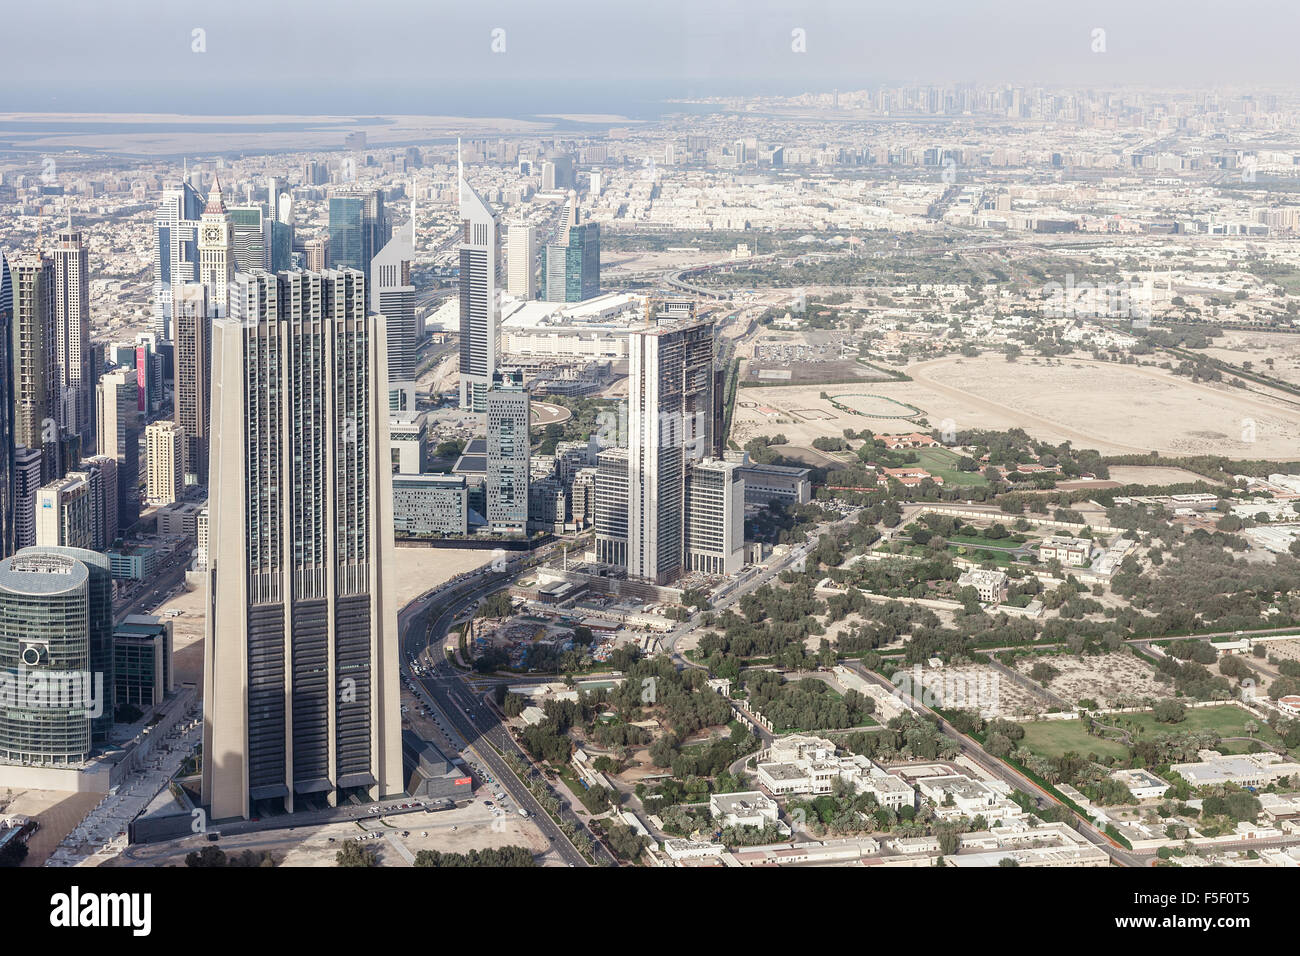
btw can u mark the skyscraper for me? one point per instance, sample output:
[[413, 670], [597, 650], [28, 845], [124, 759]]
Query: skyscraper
[[479, 309], [393, 296], [118, 427], [101, 472], [358, 228], [27, 479], [610, 511], [193, 376], [300, 683], [317, 253], [164, 443], [572, 272], [521, 261], [508, 448], [64, 512], [554, 256], [76, 386], [216, 250], [8, 440], [715, 517], [582, 262], [176, 250], [248, 235], [35, 368], [670, 423], [56, 618]]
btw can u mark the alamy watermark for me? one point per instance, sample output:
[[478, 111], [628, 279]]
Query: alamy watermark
[[47, 688], [979, 690], [1114, 300]]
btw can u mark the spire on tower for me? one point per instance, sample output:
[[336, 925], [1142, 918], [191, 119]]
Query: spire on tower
[[215, 203]]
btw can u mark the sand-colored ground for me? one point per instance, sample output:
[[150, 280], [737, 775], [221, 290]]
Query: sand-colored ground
[[1113, 680], [58, 813], [422, 569], [615, 262], [187, 633], [1152, 475], [980, 688], [1257, 348], [476, 828], [1117, 409]]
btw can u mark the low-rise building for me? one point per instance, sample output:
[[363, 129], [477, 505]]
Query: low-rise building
[[988, 584], [802, 763], [429, 505], [957, 795], [909, 476], [1245, 770], [749, 808], [1143, 784], [1071, 552], [910, 440], [142, 661]]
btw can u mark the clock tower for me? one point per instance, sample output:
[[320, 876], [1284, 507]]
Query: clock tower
[[216, 258]]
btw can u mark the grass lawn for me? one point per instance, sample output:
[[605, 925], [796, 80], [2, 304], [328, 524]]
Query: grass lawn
[[1002, 558], [1052, 738], [943, 463], [1227, 721], [971, 540]]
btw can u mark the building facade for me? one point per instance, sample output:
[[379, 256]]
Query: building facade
[[216, 251], [670, 424], [193, 370], [715, 518], [429, 505], [508, 416], [480, 263], [164, 444], [8, 438], [175, 250], [118, 427], [521, 261], [64, 513], [609, 511], [300, 683], [35, 372], [76, 386]]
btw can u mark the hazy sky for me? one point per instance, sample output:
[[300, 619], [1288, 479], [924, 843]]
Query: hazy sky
[[436, 56]]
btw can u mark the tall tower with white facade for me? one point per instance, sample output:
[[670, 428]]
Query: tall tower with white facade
[[300, 681], [479, 309], [393, 296], [521, 261], [216, 250], [118, 426]]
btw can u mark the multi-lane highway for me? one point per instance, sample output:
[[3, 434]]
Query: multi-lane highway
[[459, 712]]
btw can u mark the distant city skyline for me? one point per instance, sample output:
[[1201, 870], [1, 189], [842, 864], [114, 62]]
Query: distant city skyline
[[644, 53]]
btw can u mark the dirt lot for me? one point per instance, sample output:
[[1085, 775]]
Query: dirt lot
[[477, 828], [57, 812], [1116, 409], [1257, 348], [1113, 680], [981, 688], [1151, 475]]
